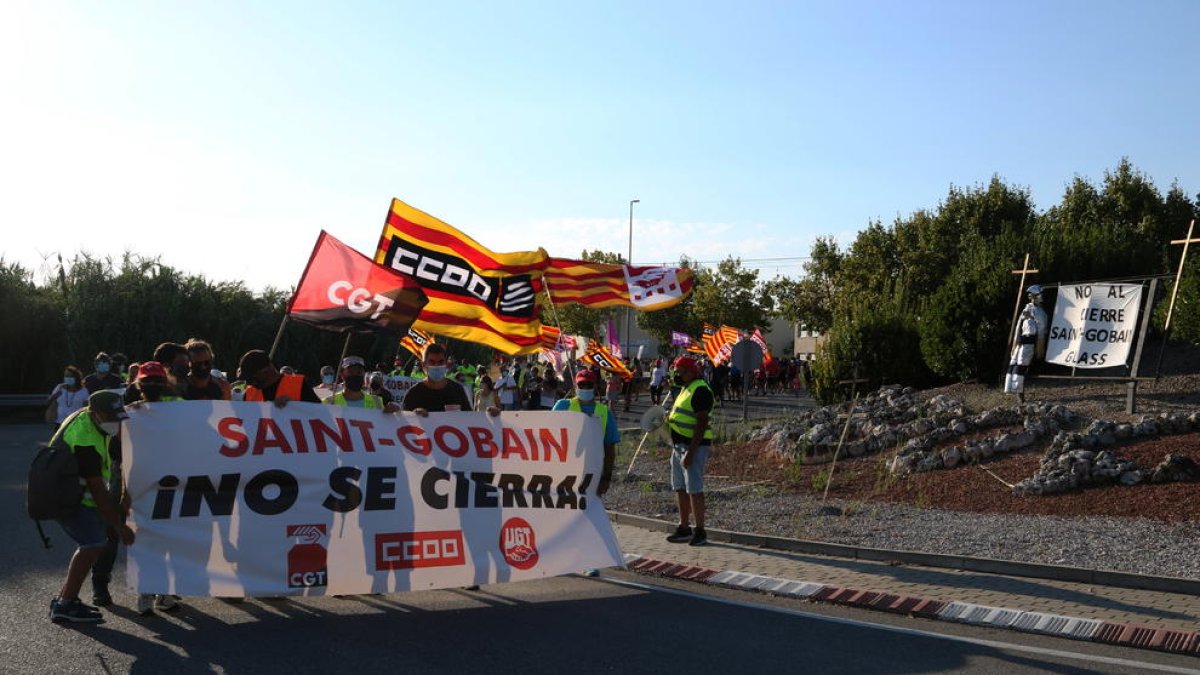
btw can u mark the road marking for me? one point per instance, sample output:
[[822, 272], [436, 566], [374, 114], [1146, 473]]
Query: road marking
[[994, 644]]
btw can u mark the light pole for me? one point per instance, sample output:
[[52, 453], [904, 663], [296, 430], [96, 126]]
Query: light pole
[[629, 310]]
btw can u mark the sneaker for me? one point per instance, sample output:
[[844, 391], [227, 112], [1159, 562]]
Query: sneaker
[[74, 611], [166, 603], [101, 597], [145, 604], [699, 537], [682, 533]]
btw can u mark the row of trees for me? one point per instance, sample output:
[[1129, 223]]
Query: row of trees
[[929, 298]]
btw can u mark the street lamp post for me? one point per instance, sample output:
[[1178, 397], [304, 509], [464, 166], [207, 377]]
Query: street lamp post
[[629, 310]]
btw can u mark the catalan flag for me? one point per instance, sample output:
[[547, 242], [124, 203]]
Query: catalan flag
[[550, 337], [474, 294], [598, 285], [759, 340], [416, 341], [718, 342], [598, 355]]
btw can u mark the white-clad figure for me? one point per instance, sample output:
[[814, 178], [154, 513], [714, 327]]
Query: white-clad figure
[[1030, 340]]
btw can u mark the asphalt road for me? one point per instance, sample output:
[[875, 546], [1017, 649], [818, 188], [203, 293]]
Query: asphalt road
[[566, 625]]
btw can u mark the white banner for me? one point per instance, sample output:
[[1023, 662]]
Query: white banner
[[246, 499], [1093, 325]]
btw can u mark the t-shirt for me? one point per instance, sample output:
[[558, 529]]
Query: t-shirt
[[421, 395], [611, 433], [209, 392], [702, 401], [99, 381], [506, 386]]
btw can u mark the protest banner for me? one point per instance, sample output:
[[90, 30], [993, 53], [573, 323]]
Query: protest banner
[[1093, 325], [246, 499]]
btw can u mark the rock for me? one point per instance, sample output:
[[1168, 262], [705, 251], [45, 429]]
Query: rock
[[1123, 431], [1017, 441], [1130, 478], [951, 457], [960, 427], [1147, 427], [855, 448], [1175, 468]]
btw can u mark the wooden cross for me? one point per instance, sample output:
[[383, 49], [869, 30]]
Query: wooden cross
[[1025, 269], [1178, 275]]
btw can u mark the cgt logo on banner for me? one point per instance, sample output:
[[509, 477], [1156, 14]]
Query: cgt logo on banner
[[306, 559], [1093, 325], [246, 499]]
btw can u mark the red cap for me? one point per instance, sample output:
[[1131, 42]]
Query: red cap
[[687, 363], [151, 369], [585, 376]]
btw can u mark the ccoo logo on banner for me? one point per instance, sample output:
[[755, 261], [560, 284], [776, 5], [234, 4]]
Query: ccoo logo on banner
[[1093, 325]]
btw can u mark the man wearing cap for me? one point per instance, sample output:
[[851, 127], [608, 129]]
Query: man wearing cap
[[353, 372], [437, 393], [265, 383], [86, 433], [1029, 340], [692, 438], [584, 401]]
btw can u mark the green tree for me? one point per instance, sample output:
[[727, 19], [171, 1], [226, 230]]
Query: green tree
[[730, 294]]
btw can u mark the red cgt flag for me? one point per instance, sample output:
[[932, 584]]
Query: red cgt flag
[[343, 290]]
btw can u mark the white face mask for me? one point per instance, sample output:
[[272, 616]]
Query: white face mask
[[110, 428], [436, 373], [69, 381], [586, 395]]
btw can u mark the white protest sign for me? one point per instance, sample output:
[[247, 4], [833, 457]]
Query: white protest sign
[[399, 385], [246, 499], [1093, 325]]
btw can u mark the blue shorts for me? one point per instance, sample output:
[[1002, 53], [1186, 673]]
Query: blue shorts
[[85, 527], [691, 480]]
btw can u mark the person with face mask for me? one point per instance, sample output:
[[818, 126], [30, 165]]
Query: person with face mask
[[199, 384], [584, 401], [265, 383], [376, 380], [437, 392], [86, 434], [507, 387], [353, 371], [102, 377], [66, 397], [692, 437]]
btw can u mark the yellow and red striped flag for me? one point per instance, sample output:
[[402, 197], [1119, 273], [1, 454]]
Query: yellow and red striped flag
[[758, 339], [416, 341], [597, 285], [474, 294], [718, 342], [598, 355], [550, 337]]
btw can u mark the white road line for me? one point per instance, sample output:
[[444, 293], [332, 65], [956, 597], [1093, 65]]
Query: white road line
[[908, 631]]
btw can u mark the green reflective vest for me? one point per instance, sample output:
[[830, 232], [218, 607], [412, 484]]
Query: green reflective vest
[[601, 412], [370, 401], [682, 419], [79, 430]]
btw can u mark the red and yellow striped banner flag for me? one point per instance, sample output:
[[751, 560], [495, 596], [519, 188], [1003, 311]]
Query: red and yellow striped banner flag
[[416, 341], [597, 285], [598, 355], [550, 337], [474, 294], [758, 339], [718, 342]]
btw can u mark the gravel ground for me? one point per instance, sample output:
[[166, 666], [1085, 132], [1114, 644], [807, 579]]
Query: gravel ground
[[1121, 544]]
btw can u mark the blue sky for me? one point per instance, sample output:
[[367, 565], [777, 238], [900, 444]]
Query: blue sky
[[224, 136]]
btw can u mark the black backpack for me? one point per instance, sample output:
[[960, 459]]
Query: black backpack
[[53, 489]]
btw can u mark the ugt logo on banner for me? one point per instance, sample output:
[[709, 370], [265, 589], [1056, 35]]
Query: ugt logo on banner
[[306, 560]]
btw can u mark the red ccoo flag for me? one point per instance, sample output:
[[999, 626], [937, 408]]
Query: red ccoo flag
[[342, 290]]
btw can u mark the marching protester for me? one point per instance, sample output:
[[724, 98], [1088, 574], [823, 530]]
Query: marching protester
[[381, 391], [353, 371], [86, 434], [692, 438], [485, 395], [507, 386], [66, 397], [265, 383], [436, 393], [102, 377], [199, 384], [584, 401], [657, 374]]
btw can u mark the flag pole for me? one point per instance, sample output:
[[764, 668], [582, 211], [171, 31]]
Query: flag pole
[[558, 323], [296, 291], [345, 350]]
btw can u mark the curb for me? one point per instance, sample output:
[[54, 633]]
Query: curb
[[1075, 628], [957, 562]]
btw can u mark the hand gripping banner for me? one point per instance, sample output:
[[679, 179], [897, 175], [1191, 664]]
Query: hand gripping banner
[[246, 499], [343, 290]]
